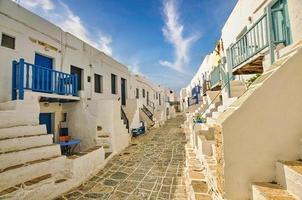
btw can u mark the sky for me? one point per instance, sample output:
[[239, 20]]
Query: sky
[[164, 40]]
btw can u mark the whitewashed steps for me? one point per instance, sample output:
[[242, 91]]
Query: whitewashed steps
[[13, 118], [28, 105], [104, 134], [237, 88], [104, 141], [19, 143], [216, 114], [289, 175], [21, 191], [43, 187], [20, 131], [27, 155], [269, 191], [28, 171]]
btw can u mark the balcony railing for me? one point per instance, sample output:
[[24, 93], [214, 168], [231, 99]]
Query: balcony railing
[[36, 78], [251, 43], [215, 76], [196, 90]]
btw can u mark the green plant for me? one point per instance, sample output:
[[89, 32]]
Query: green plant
[[200, 118], [251, 80]]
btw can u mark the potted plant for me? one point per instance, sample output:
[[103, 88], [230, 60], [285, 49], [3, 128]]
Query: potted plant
[[199, 119]]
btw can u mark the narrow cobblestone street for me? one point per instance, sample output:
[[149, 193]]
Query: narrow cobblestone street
[[152, 167]]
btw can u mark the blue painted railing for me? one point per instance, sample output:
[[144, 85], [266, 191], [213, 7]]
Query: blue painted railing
[[251, 43], [26, 76], [196, 90]]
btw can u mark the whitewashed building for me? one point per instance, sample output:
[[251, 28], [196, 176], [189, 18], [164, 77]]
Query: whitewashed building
[[251, 141], [61, 87]]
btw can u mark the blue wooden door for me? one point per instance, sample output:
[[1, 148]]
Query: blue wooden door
[[45, 118], [42, 77]]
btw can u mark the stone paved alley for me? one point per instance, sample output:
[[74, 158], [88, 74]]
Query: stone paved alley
[[153, 167]]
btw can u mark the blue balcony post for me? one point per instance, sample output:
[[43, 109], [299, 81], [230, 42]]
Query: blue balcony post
[[75, 85], [27, 76], [14, 82], [21, 79]]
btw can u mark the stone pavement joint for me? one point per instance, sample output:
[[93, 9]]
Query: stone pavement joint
[[153, 167]]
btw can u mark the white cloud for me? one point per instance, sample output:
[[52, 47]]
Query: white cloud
[[62, 16], [104, 44], [135, 68], [174, 33], [44, 4]]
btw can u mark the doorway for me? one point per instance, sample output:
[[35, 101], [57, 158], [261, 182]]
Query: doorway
[[42, 76], [45, 118], [123, 90], [280, 23]]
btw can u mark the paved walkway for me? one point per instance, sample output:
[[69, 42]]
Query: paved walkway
[[151, 168]]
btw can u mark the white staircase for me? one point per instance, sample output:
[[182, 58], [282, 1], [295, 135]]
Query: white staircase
[[104, 140], [288, 183], [237, 88], [29, 161]]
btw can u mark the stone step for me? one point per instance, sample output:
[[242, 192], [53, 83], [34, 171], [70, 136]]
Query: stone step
[[103, 140], [236, 83], [107, 148], [31, 170], [216, 114], [104, 144], [15, 144], [11, 118], [210, 120], [20, 191], [237, 91], [20, 105], [19, 131], [289, 176], [104, 135], [27, 155], [269, 191]]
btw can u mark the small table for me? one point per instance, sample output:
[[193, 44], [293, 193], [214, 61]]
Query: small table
[[68, 147]]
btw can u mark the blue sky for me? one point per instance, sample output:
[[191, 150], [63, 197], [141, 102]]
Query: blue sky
[[165, 40]]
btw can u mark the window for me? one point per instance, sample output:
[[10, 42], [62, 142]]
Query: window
[[144, 93], [98, 83], [159, 100], [113, 84], [78, 72], [8, 41], [156, 95], [137, 93]]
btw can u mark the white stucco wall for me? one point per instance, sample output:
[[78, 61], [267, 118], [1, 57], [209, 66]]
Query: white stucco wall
[[261, 127], [28, 29]]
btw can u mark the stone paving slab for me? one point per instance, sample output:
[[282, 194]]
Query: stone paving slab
[[152, 167]]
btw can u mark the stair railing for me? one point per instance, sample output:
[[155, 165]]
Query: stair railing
[[147, 112], [125, 119], [151, 104]]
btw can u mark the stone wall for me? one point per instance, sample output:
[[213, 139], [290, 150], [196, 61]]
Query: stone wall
[[219, 158]]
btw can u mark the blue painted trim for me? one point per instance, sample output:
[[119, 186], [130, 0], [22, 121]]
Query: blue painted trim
[[21, 79], [41, 79]]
